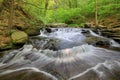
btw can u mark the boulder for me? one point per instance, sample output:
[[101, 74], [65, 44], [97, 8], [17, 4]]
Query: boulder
[[33, 31], [19, 37]]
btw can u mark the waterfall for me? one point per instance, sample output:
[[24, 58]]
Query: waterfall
[[77, 62]]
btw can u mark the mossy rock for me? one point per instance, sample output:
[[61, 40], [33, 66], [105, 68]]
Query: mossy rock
[[19, 37], [33, 31]]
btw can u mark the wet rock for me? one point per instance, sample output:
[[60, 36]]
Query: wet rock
[[117, 39], [48, 30], [27, 74], [102, 43], [92, 39], [43, 43], [90, 75], [85, 31], [97, 41], [19, 37], [112, 33]]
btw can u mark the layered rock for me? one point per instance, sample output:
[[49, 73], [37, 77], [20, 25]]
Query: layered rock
[[112, 33]]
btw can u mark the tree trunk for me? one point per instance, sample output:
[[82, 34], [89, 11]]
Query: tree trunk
[[76, 3], [96, 13], [10, 21], [69, 3], [46, 7]]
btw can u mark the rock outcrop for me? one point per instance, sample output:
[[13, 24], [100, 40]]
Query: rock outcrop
[[113, 33]]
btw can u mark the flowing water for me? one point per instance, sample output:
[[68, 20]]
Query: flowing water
[[73, 58]]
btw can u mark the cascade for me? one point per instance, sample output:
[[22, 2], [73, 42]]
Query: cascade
[[74, 59]]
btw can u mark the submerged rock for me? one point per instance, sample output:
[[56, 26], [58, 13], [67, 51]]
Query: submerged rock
[[29, 74], [43, 43]]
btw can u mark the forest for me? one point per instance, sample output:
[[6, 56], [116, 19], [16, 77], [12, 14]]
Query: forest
[[27, 15], [59, 39]]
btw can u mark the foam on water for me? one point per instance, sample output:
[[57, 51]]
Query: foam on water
[[65, 34]]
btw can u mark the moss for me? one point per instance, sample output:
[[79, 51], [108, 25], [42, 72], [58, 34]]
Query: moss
[[19, 37]]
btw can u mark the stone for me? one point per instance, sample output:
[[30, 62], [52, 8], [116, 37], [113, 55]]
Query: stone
[[19, 37], [33, 31], [43, 43]]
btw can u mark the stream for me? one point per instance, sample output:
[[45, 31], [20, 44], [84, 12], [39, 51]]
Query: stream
[[63, 54]]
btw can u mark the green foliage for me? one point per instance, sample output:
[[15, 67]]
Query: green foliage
[[69, 16], [35, 8], [109, 10], [59, 11], [1, 1]]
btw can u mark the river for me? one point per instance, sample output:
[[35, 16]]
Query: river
[[63, 54]]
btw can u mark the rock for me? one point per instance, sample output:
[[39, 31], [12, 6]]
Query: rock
[[48, 30], [27, 74], [112, 33], [103, 43], [85, 31], [117, 39], [43, 43], [33, 31], [97, 41], [116, 26], [92, 39], [19, 37]]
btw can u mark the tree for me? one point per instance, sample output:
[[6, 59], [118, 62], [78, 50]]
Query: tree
[[76, 3], [96, 13], [46, 7], [10, 24], [69, 3]]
